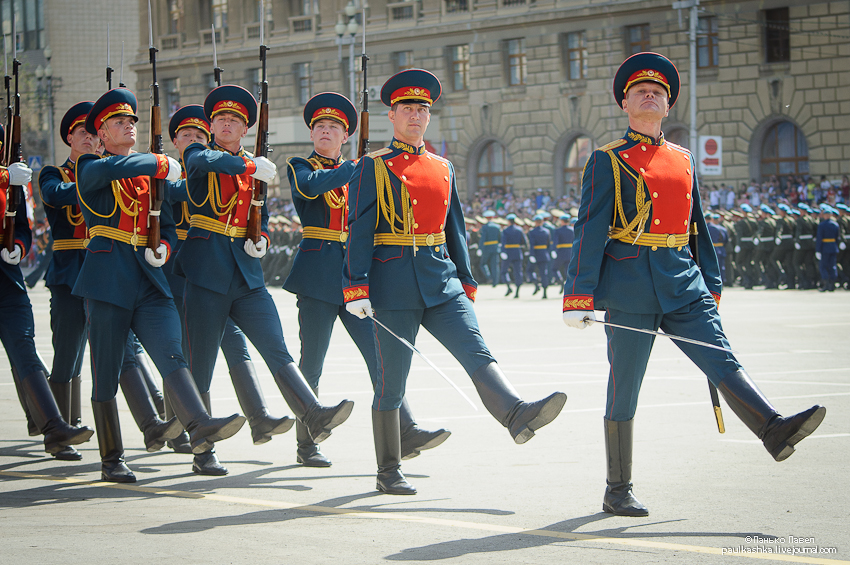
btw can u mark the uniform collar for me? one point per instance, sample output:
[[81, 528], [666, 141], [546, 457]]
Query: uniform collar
[[642, 138], [407, 148], [326, 161], [217, 147]]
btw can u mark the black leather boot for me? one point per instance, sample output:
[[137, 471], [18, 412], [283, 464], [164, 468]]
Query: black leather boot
[[516, 294], [112, 466], [32, 429], [308, 453], [778, 434], [247, 386], [385, 428], [180, 444], [521, 418], [619, 498], [413, 438], [207, 463], [544, 293], [62, 394], [45, 413], [76, 416], [508, 293], [141, 405], [186, 401], [320, 420], [150, 382]]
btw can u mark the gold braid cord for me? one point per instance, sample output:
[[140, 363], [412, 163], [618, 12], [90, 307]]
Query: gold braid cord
[[73, 219], [643, 206], [335, 201], [386, 204]]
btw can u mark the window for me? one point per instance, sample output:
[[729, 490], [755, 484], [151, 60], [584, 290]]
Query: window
[[454, 6], [459, 66], [708, 46], [494, 168], [303, 7], [777, 36], [214, 12], [175, 16], [513, 2], [784, 151], [303, 82], [403, 60], [637, 39], [516, 62], [29, 23], [171, 88], [401, 13], [575, 55], [576, 156]]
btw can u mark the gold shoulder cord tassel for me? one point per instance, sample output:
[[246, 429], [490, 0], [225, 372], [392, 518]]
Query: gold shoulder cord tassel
[[643, 205]]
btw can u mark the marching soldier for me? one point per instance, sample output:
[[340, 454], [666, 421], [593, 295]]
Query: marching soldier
[[745, 250], [783, 253], [320, 195], [224, 278], [764, 242], [407, 252], [562, 239], [826, 248], [122, 281], [843, 259], [641, 271], [805, 265], [540, 240], [719, 239], [488, 243], [514, 242]]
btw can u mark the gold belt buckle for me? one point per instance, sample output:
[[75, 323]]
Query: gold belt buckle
[[429, 239], [343, 237], [134, 239], [233, 231], [671, 240]]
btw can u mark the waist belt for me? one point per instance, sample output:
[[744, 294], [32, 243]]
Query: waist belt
[[512, 246], [311, 232], [654, 239], [786, 236], [182, 234], [746, 239], [828, 240], [69, 244], [491, 242], [133, 239], [720, 244], [410, 239], [564, 245], [540, 247], [806, 237], [205, 223]]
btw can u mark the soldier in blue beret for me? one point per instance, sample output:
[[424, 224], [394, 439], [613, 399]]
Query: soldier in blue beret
[[540, 240], [746, 250], [407, 253], [783, 253], [562, 240], [765, 244], [641, 271], [806, 270], [224, 276], [514, 242], [489, 236], [827, 242]]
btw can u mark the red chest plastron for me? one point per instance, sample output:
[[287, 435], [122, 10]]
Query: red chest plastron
[[79, 230], [428, 181], [135, 195], [228, 186], [668, 182], [338, 216]]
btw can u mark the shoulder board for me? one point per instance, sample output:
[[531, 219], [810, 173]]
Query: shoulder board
[[613, 145], [678, 147], [437, 157], [379, 153]]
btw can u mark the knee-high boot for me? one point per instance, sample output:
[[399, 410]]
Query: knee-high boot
[[387, 434], [150, 382], [250, 395], [32, 429], [112, 466], [521, 418], [413, 438], [207, 463], [180, 444], [45, 413], [619, 498], [320, 420], [186, 401], [141, 405], [778, 434], [308, 453], [63, 396]]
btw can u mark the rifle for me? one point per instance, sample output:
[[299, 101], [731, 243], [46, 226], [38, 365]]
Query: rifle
[[363, 141], [157, 186], [109, 69], [258, 197], [15, 154], [216, 69], [4, 156]]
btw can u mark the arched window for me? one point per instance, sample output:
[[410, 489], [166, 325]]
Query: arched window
[[574, 159], [495, 171], [784, 151]]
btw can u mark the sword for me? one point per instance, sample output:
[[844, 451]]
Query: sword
[[419, 353], [671, 336]]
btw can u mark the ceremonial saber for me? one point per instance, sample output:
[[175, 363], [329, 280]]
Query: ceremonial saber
[[419, 353], [651, 332]]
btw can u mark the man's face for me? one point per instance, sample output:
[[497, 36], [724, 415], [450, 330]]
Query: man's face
[[327, 137], [81, 141], [228, 128], [646, 101], [119, 131], [410, 120], [187, 136]]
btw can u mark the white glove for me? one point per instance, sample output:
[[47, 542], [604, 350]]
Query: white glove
[[162, 250], [257, 250], [532, 259], [175, 171], [12, 258], [266, 170], [842, 246], [737, 249], [19, 174], [479, 253], [554, 254], [817, 255], [579, 319], [777, 241], [360, 308], [504, 256], [755, 241], [797, 246]]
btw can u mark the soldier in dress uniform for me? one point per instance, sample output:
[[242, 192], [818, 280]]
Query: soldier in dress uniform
[[843, 259], [719, 239], [123, 284], [224, 278], [320, 194], [746, 249], [826, 247], [764, 242], [562, 239], [806, 268], [783, 253], [488, 243], [540, 241], [640, 197], [514, 242], [407, 253]]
